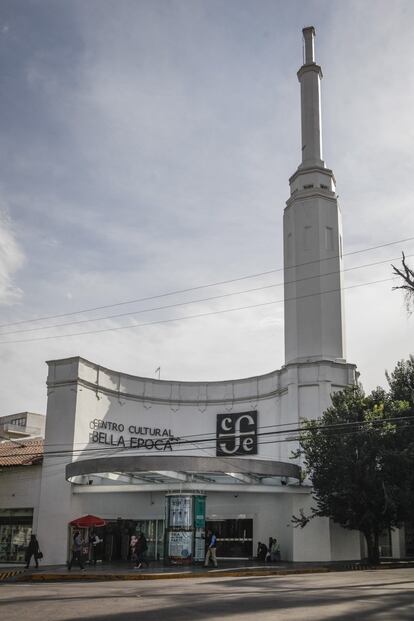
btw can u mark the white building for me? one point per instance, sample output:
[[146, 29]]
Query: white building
[[117, 446], [22, 425]]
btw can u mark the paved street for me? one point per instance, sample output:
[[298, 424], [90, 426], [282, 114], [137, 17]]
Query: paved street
[[386, 595]]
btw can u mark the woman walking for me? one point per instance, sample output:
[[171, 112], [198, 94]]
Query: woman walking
[[32, 550], [77, 545], [141, 551]]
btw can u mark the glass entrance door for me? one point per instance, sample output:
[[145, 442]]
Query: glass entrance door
[[117, 535], [234, 537]]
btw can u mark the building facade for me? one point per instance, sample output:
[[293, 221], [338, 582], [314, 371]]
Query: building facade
[[22, 425], [121, 447]]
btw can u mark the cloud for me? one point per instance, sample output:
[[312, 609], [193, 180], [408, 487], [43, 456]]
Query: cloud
[[147, 146], [11, 259]]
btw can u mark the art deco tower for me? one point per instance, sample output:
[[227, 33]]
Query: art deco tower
[[312, 229]]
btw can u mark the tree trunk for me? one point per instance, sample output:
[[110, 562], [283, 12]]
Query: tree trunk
[[372, 539]]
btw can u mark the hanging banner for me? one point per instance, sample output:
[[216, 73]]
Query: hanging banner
[[199, 511]]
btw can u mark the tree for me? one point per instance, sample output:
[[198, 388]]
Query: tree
[[406, 275], [401, 381], [359, 457]]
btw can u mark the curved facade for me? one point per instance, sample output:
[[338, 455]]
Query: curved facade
[[132, 440]]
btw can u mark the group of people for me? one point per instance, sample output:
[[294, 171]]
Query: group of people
[[138, 550], [270, 553], [78, 546]]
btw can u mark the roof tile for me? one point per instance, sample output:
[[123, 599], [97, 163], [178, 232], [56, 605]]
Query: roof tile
[[21, 453]]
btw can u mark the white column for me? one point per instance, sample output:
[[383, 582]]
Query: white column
[[309, 76]]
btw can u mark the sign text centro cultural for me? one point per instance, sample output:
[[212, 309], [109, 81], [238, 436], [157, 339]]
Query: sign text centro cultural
[[133, 436]]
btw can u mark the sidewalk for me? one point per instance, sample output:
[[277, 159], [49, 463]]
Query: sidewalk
[[157, 571]]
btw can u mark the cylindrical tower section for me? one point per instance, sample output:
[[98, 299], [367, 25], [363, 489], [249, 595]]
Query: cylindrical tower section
[[309, 76]]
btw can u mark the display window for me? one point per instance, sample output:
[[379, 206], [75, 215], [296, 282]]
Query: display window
[[15, 530]]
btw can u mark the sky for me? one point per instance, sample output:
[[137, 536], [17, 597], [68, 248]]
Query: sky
[[146, 147]]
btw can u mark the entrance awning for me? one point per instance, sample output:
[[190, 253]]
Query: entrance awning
[[187, 473], [88, 521]]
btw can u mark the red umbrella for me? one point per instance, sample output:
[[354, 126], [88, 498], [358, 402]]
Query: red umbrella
[[88, 521]]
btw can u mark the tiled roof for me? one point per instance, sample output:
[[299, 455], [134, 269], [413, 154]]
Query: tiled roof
[[21, 453]]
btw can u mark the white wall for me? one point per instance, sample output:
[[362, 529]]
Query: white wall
[[20, 489], [56, 495], [345, 544]]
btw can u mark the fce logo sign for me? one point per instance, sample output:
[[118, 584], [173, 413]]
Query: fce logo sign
[[237, 434]]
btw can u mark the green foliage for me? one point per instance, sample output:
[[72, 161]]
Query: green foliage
[[401, 381], [359, 457]]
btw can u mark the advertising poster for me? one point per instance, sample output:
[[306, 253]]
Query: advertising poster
[[180, 512], [180, 544]]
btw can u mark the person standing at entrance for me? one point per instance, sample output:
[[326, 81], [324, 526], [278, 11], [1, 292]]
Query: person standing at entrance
[[211, 549], [76, 551], [141, 547], [94, 541], [32, 550]]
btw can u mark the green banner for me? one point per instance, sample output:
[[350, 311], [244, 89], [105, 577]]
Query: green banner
[[199, 511]]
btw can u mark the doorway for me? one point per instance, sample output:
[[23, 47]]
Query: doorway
[[234, 537], [117, 535]]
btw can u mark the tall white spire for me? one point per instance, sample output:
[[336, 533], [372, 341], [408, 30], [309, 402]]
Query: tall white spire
[[309, 76], [312, 237]]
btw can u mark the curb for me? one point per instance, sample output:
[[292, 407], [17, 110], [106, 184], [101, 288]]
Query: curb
[[5, 575], [231, 573], [73, 577]]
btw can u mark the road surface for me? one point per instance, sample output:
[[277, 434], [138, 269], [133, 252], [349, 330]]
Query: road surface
[[386, 595]]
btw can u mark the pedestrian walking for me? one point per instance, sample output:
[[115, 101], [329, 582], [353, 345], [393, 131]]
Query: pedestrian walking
[[132, 546], [211, 543], [77, 545], [33, 550], [141, 548]]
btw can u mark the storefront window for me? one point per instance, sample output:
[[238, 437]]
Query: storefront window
[[154, 534], [15, 531]]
